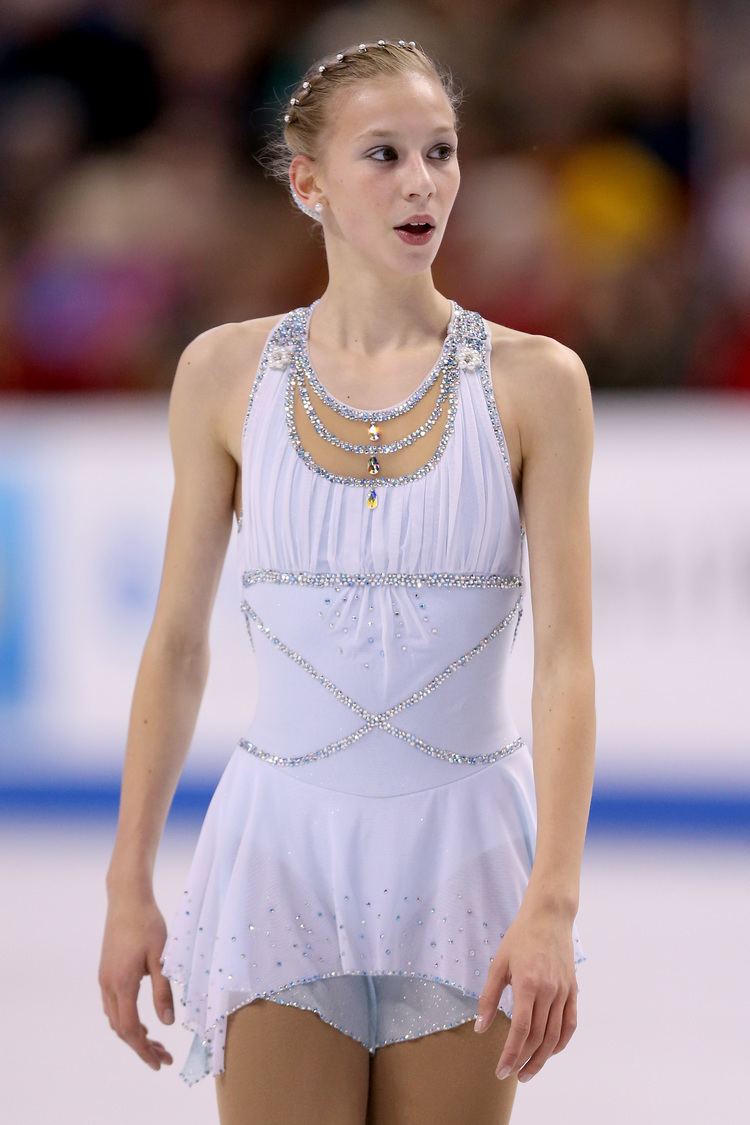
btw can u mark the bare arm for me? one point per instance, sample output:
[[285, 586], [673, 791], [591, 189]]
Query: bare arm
[[169, 687], [174, 666], [557, 436], [553, 399]]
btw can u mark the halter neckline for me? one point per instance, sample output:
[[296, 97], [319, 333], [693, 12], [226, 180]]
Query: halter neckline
[[385, 413]]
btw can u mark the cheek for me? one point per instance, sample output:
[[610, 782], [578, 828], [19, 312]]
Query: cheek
[[455, 181], [368, 203]]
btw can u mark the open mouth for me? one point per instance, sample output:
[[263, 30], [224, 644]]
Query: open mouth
[[416, 228]]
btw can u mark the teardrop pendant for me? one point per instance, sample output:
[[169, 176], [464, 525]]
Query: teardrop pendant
[[373, 465]]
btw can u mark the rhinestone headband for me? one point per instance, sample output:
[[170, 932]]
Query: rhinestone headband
[[314, 212]]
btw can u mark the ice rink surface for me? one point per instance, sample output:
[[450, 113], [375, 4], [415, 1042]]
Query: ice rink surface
[[663, 1005]]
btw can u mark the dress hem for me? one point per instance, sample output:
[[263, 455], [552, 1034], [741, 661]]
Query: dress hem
[[273, 995]]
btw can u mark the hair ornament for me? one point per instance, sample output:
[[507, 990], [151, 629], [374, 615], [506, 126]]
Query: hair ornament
[[306, 86]]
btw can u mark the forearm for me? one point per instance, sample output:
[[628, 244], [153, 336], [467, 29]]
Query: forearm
[[166, 701], [564, 737]]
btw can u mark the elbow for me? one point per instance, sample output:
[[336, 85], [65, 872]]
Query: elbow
[[571, 666], [180, 648]]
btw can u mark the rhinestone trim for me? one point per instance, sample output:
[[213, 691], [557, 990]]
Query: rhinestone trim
[[379, 578], [322, 430], [273, 993], [275, 348], [469, 328], [489, 394], [377, 719], [205, 1041], [342, 408], [368, 481], [393, 1039], [282, 350]]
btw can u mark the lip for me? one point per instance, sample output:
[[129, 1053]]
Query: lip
[[415, 239], [423, 218]]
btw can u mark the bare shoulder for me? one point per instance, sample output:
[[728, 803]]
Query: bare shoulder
[[538, 383], [212, 360], [539, 364], [214, 374]]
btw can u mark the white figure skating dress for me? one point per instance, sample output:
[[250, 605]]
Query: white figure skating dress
[[372, 834]]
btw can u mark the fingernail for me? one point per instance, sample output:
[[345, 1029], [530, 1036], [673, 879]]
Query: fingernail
[[479, 1023], [169, 1015], [504, 1072]]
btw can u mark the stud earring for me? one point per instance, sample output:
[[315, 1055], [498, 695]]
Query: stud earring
[[318, 206]]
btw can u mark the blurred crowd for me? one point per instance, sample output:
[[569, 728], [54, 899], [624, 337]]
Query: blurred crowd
[[605, 196]]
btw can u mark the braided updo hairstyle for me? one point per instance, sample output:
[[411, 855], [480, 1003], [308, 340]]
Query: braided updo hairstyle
[[307, 114]]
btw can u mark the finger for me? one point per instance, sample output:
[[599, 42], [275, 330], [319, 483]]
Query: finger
[[520, 1030], [112, 1015], [132, 1031], [108, 1003], [550, 1038], [151, 1052], [157, 1046], [161, 990], [113, 1010], [159, 1051], [533, 1038], [489, 999], [569, 1022]]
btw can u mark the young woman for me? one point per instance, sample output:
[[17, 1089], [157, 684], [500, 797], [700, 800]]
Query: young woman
[[371, 884]]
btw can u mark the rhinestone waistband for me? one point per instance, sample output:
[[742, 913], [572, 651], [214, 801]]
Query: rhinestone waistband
[[379, 578]]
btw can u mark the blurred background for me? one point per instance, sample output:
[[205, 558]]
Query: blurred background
[[605, 201]]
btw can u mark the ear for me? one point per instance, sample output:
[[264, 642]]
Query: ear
[[303, 179]]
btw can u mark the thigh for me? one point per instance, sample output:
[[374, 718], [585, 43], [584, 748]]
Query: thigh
[[284, 1064], [447, 1078]]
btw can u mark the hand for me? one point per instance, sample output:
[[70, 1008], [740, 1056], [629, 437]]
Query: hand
[[536, 957], [134, 936]]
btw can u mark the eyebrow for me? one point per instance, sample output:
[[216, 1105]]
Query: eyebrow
[[443, 128]]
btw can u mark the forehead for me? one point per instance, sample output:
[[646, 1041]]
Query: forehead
[[391, 104]]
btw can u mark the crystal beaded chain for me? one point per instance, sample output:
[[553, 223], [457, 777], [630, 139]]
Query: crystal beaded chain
[[373, 467], [447, 367]]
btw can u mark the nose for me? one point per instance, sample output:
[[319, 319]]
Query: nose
[[418, 177]]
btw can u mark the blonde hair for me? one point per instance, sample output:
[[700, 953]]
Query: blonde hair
[[308, 113]]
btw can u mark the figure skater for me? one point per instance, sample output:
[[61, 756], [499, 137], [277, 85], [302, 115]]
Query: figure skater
[[384, 868]]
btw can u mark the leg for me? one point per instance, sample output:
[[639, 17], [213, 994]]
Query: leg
[[284, 1064], [446, 1078]]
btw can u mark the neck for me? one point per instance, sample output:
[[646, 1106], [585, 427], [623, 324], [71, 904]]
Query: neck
[[368, 321]]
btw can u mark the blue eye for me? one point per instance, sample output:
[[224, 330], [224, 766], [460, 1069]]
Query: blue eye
[[449, 150]]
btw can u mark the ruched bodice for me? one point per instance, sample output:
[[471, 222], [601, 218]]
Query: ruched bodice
[[458, 514]]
